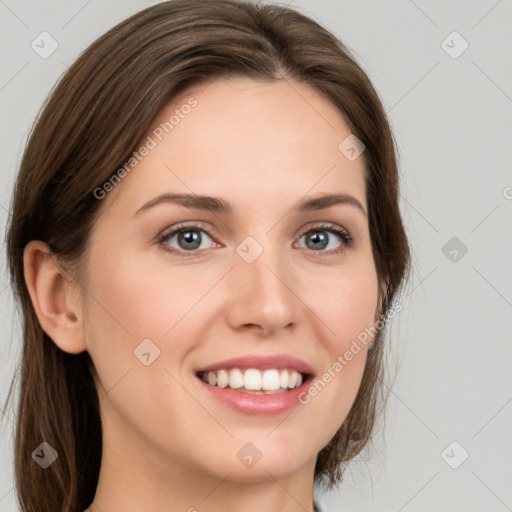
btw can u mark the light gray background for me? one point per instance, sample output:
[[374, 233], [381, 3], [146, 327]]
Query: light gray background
[[452, 118]]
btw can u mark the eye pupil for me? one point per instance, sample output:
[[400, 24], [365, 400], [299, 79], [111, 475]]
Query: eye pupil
[[318, 236], [190, 237]]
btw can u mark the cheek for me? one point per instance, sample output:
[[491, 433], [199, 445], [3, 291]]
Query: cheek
[[346, 302], [140, 301], [128, 303], [347, 310], [125, 307]]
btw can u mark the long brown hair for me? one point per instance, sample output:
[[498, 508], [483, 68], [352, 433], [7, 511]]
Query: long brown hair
[[91, 123]]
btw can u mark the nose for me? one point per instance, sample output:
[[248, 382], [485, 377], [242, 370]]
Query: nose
[[262, 296]]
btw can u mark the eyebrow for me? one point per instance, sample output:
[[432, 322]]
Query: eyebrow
[[219, 205]]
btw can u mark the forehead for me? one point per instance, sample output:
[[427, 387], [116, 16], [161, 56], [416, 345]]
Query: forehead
[[244, 140]]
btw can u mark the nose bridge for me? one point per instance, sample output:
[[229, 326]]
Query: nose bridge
[[262, 293]]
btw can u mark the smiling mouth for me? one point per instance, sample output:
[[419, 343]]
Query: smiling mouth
[[253, 381]]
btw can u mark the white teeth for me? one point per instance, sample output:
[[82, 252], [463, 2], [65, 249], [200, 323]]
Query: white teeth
[[283, 381], [292, 380], [222, 379], [252, 380], [270, 380], [236, 378]]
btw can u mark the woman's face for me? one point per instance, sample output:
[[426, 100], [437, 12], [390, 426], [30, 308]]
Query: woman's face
[[262, 280]]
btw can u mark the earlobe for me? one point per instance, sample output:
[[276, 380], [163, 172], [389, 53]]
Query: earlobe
[[54, 297]]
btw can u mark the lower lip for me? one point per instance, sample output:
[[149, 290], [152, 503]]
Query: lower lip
[[261, 405]]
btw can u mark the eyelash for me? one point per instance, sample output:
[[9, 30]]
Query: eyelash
[[346, 239]]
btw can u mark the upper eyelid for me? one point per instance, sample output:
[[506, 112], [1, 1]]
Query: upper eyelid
[[171, 230]]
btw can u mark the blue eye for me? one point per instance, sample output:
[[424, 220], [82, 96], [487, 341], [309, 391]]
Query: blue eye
[[318, 238], [190, 238]]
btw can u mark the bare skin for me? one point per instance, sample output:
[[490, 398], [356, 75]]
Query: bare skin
[[167, 444]]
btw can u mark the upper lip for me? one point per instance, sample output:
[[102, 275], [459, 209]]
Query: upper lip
[[260, 362]]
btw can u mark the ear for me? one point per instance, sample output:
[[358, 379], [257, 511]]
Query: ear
[[381, 293], [377, 318], [56, 298]]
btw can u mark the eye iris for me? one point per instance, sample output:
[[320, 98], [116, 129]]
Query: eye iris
[[192, 239], [318, 236]]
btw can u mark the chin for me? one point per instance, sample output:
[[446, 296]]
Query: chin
[[260, 462]]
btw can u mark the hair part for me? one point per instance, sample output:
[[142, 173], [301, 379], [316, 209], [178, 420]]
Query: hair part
[[90, 125]]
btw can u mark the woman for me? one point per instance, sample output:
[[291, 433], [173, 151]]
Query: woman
[[205, 243]]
